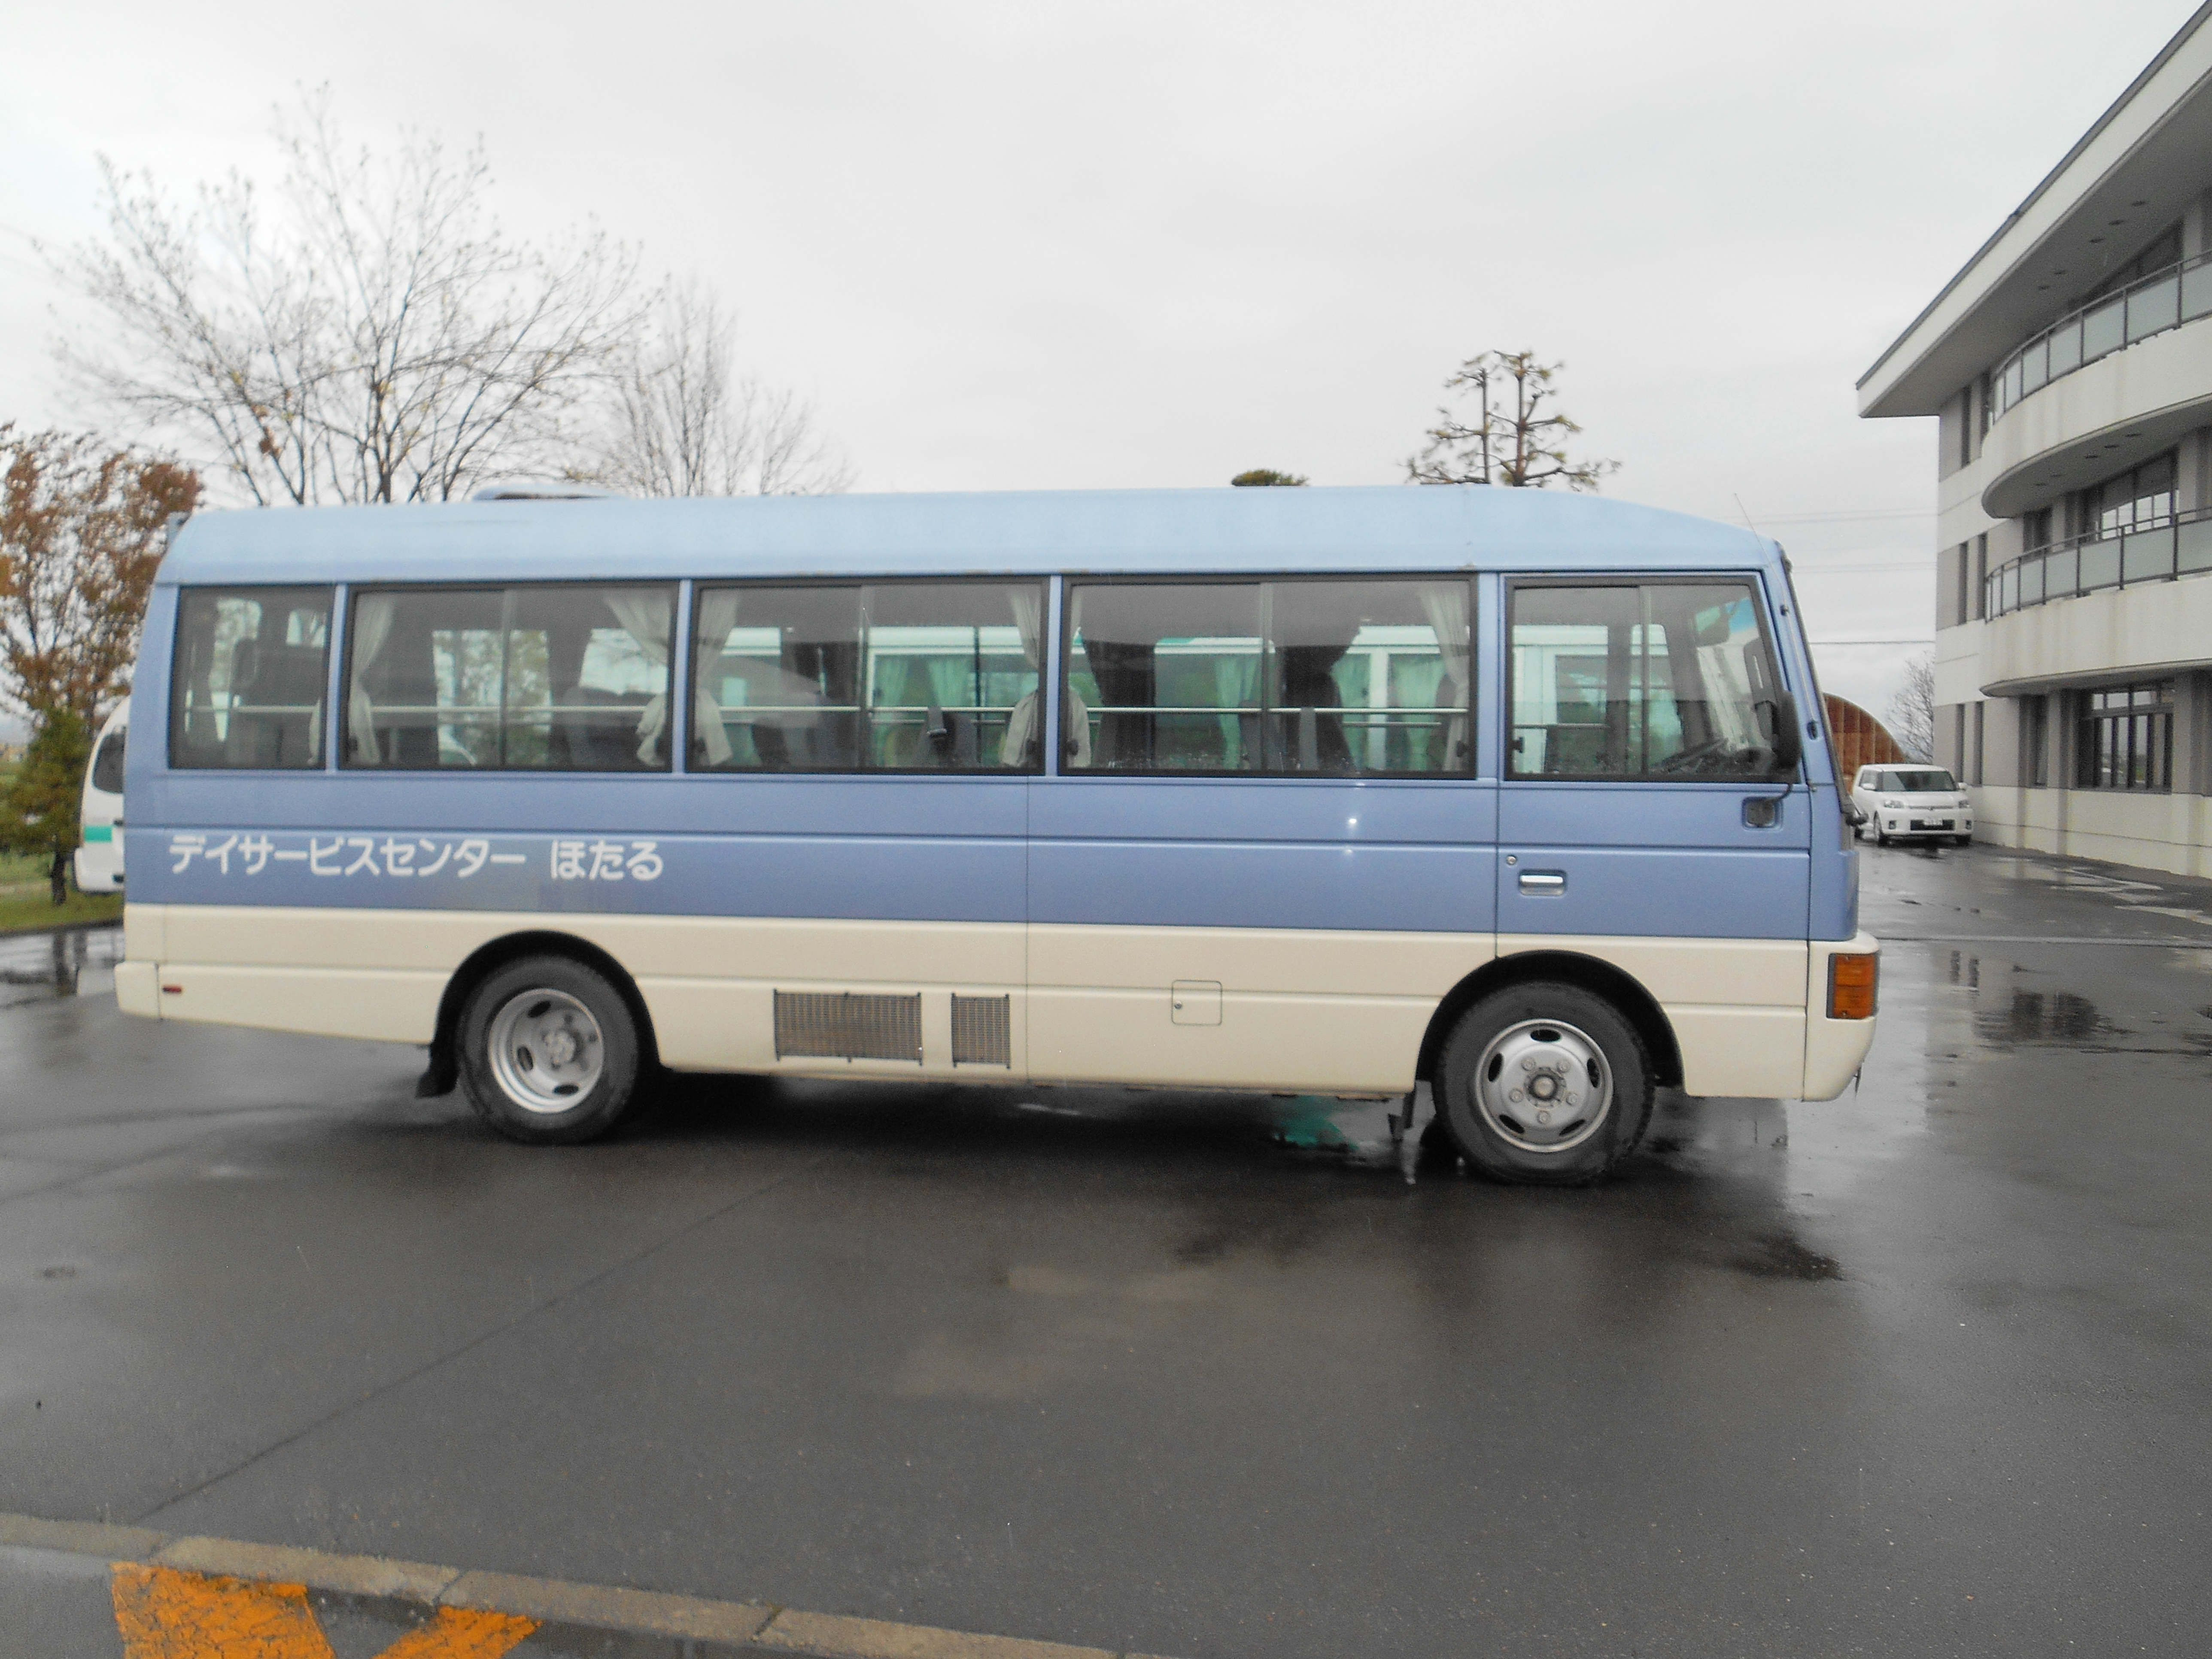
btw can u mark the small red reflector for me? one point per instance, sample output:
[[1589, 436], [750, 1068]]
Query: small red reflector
[[173, 990], [1852, 980]]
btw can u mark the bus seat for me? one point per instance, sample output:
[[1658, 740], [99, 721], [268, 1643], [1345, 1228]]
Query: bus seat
[[943, 739], [597, 730], [277, 691]]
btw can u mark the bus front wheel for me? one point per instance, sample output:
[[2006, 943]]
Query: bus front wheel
[[549, 1053], [1544, 1083]]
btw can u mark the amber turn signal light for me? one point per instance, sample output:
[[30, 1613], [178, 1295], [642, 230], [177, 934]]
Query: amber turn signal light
[[1850, 985]]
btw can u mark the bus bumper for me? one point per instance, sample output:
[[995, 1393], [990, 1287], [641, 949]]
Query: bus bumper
[[138, 989], [98, 867], [1834, 1049], [138, 975]]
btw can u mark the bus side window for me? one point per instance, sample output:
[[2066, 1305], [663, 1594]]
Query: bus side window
[[1281, 677], [934, 676], [1663, 679], [247, 678], [567, 677]]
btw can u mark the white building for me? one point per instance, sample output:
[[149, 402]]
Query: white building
[[2070, 367]]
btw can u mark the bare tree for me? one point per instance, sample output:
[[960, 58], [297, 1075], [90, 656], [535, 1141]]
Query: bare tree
[[1510, 439], [686, 421], [1912, 710], [80, 532], [367, 334]]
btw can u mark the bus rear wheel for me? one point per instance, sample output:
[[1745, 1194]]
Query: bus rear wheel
[[1545, 1084], [548, 1052]]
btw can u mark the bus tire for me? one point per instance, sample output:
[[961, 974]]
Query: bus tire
[[548, 1052], [1543, 1083]]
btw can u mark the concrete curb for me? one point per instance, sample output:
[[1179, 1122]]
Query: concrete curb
[[761, 1626]]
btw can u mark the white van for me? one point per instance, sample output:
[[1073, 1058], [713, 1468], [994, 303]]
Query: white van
[[1912, 803], [100, 853]]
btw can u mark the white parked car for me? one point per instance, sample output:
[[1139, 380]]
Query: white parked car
[[1912, 803]]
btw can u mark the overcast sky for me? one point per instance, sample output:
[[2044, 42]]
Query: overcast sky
[[1041, 245]]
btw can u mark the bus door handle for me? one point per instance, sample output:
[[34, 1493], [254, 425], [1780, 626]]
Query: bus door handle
[[1544, 884], [1763, 811]]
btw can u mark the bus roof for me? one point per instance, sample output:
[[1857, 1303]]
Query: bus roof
[[1135, 531]]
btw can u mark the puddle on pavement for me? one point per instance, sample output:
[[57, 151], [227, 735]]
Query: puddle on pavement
[[36, 967], [2037, 1017], [2027, 1016], [1782, 1255]]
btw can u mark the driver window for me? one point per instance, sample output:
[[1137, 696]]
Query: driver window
[[1668, 680]]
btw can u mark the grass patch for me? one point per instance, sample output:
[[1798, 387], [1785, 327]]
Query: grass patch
[[30, 906], [18, 868], [24, 901]]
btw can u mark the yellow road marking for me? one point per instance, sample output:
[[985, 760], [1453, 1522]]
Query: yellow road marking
[[163, 1613], [462, 1633]]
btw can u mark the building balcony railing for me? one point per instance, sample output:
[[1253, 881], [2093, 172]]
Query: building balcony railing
[[2164, 299], [2161, 552]]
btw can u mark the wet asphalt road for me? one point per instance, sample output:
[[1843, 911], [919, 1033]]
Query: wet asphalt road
[[1921, 1370]]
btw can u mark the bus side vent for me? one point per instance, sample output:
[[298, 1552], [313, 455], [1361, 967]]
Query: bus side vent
[[982, 1028], [814, 1025]]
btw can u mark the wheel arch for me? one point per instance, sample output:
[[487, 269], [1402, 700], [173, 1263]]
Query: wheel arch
[[1636, 1004], [443, 1072]]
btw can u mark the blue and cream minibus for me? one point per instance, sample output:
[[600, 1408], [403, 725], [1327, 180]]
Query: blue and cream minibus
[[1523, 796]]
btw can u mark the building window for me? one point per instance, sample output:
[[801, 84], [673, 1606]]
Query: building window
[[2141, 498], [2035, 741], [2163, 250], [1974, 757], [1981, 575], [2126, 737]]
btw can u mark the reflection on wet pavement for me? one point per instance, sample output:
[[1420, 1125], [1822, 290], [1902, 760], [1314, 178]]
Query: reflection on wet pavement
[[78, 961], [2012, 1015], [2032, 1017]]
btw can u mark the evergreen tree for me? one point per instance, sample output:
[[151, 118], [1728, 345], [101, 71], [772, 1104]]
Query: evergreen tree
[[38, 811]]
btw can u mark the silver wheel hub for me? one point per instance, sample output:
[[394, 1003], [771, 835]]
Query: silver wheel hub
[[1542, 1087], [546, 1051]]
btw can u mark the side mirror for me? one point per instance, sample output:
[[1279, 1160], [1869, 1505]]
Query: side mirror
[[1854, 814]]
